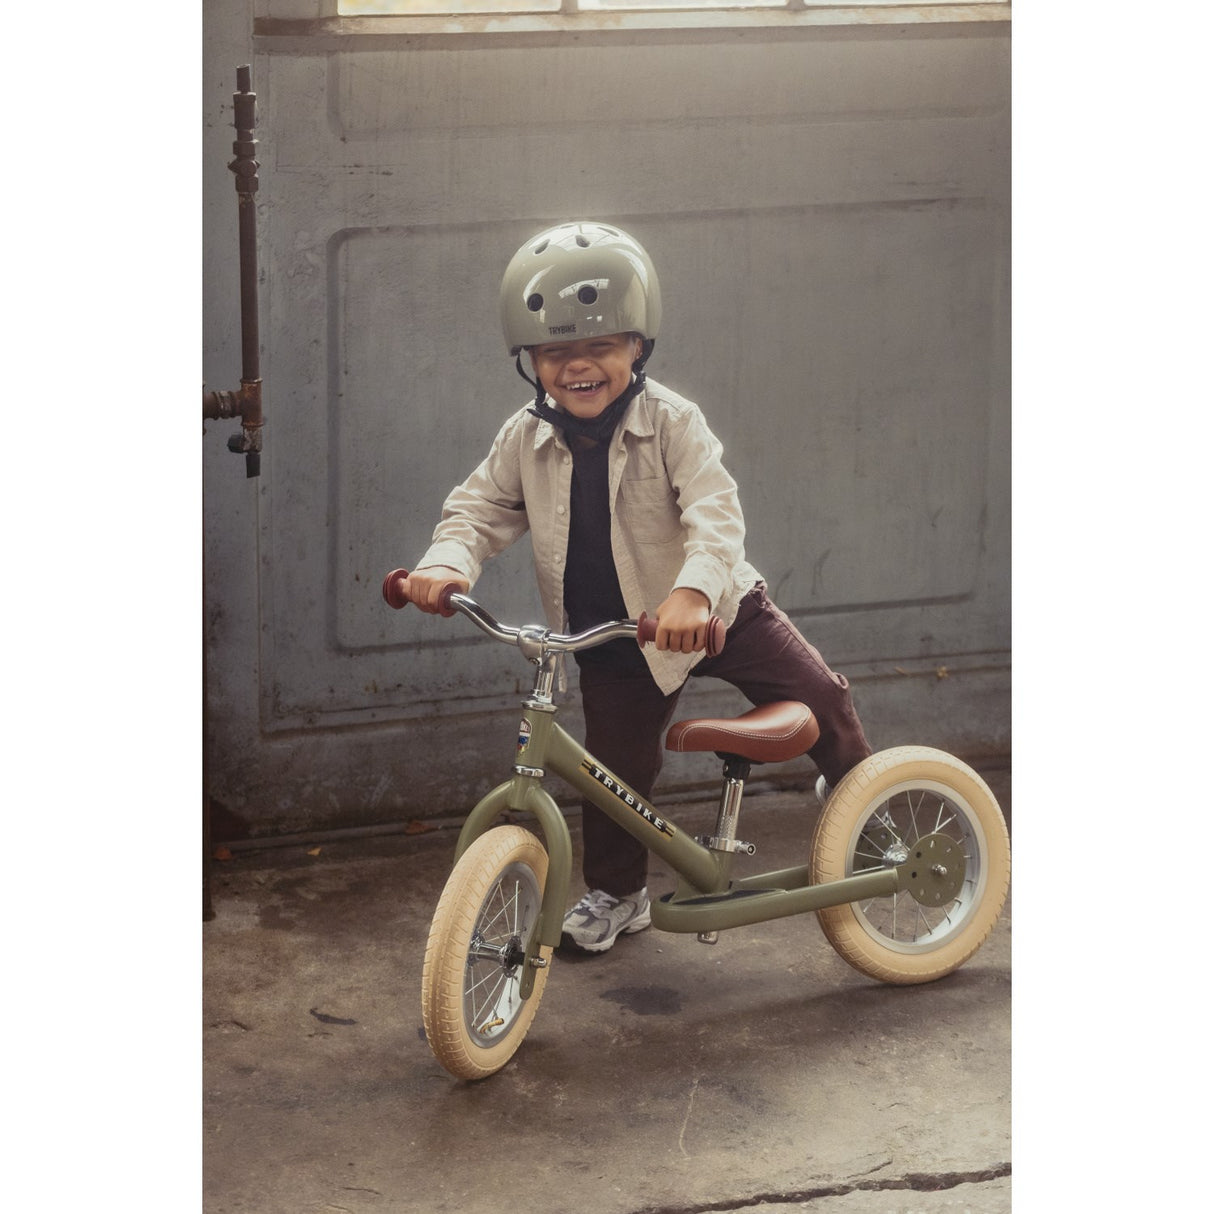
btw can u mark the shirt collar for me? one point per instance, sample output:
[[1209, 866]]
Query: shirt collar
[[638, 420]]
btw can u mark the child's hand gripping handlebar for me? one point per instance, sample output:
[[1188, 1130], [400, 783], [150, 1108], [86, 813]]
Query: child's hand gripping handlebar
[[714, 633], [451, 601], [396, 592]]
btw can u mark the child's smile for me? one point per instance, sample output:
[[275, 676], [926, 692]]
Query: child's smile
[[584, 377]]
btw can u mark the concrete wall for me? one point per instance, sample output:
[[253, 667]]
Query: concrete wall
[[828, 211]]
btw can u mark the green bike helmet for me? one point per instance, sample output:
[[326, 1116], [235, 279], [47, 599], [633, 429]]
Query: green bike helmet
[[577, 280]]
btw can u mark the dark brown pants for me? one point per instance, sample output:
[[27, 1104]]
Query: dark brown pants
[[764, 656]]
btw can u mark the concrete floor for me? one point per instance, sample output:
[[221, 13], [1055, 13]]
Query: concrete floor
[[663, 1077]]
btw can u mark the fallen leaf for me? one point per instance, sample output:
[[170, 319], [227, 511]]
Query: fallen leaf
[[222, 853], [414, 827], [315, 851]]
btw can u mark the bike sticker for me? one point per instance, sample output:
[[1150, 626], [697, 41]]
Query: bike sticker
[[631, 799], [524, 735]]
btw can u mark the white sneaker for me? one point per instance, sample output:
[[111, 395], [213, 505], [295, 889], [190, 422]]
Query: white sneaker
[[598, 918], [822, 789]]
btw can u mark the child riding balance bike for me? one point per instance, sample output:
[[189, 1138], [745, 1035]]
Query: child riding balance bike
[[622, 486]]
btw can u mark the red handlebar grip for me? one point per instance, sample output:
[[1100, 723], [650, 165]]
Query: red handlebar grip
[[444, 599], [394, 588], [394, 592], [647, 631]]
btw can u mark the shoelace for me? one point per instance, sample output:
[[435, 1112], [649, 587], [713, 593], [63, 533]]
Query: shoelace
[[597, 902]]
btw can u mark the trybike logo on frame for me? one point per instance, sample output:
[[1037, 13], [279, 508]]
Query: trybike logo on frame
[[634, 802]]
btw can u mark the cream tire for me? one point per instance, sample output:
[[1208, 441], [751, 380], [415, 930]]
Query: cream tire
[[873, 819], [474, 1017]]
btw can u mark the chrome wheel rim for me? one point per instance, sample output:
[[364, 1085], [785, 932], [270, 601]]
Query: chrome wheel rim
[[883, 838]]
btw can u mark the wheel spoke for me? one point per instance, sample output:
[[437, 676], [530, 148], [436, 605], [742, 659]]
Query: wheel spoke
[[914, 822], [867, 855], [945, 819], [940, 823], [490, 924], [514, 911], [490, 999]]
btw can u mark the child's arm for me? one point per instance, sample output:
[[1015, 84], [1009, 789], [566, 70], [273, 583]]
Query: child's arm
[[480, 518], [713, 532]]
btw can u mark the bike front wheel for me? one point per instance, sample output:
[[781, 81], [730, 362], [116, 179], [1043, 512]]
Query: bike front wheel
[[879, 814], [474, 1016]]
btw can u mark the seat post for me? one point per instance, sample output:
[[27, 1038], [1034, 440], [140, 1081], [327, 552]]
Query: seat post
[[734, 775], [733, 780]]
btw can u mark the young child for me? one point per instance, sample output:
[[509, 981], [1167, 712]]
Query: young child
[[621, 484]]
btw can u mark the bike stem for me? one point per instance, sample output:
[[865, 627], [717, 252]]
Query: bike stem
[[531, 642]]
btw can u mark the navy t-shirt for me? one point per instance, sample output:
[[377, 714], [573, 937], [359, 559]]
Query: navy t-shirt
[[592, 586]]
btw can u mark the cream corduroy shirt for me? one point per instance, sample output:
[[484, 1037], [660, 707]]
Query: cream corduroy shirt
[[675, 516]]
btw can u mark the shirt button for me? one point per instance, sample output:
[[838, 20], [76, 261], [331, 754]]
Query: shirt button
[[560, 510]]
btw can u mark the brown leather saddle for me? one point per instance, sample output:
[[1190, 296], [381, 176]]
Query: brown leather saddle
[[770, 733]]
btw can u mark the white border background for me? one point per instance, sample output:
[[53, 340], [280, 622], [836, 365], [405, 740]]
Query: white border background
[[1112, 333]]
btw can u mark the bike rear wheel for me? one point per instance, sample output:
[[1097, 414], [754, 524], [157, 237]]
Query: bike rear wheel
[[474, 1017], [875, 818]]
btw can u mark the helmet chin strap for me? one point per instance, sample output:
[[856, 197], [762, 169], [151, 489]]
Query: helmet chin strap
[[535, 383], [600, 427]]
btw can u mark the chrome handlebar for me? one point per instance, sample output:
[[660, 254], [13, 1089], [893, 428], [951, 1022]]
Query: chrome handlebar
[[536, 641]]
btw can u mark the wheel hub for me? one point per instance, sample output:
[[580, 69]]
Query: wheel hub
[[509, 955], [878, 848], [514, 955], [933, 871]]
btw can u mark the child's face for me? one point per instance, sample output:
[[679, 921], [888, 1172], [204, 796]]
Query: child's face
[[584, 377]]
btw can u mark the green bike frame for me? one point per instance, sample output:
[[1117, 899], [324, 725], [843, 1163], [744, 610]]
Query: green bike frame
[[705, 899]]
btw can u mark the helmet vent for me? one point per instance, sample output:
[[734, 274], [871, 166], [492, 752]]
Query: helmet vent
[[587, 295], [539, 248], [583, 241], [535, 303]]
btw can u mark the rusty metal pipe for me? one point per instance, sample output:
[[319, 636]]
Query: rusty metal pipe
[[219, 405], [245, 166], [246, 403]]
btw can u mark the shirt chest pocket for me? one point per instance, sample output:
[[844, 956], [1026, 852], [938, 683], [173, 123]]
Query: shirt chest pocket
[[648, 510]]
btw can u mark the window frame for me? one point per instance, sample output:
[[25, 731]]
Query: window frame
[[358, 17]]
